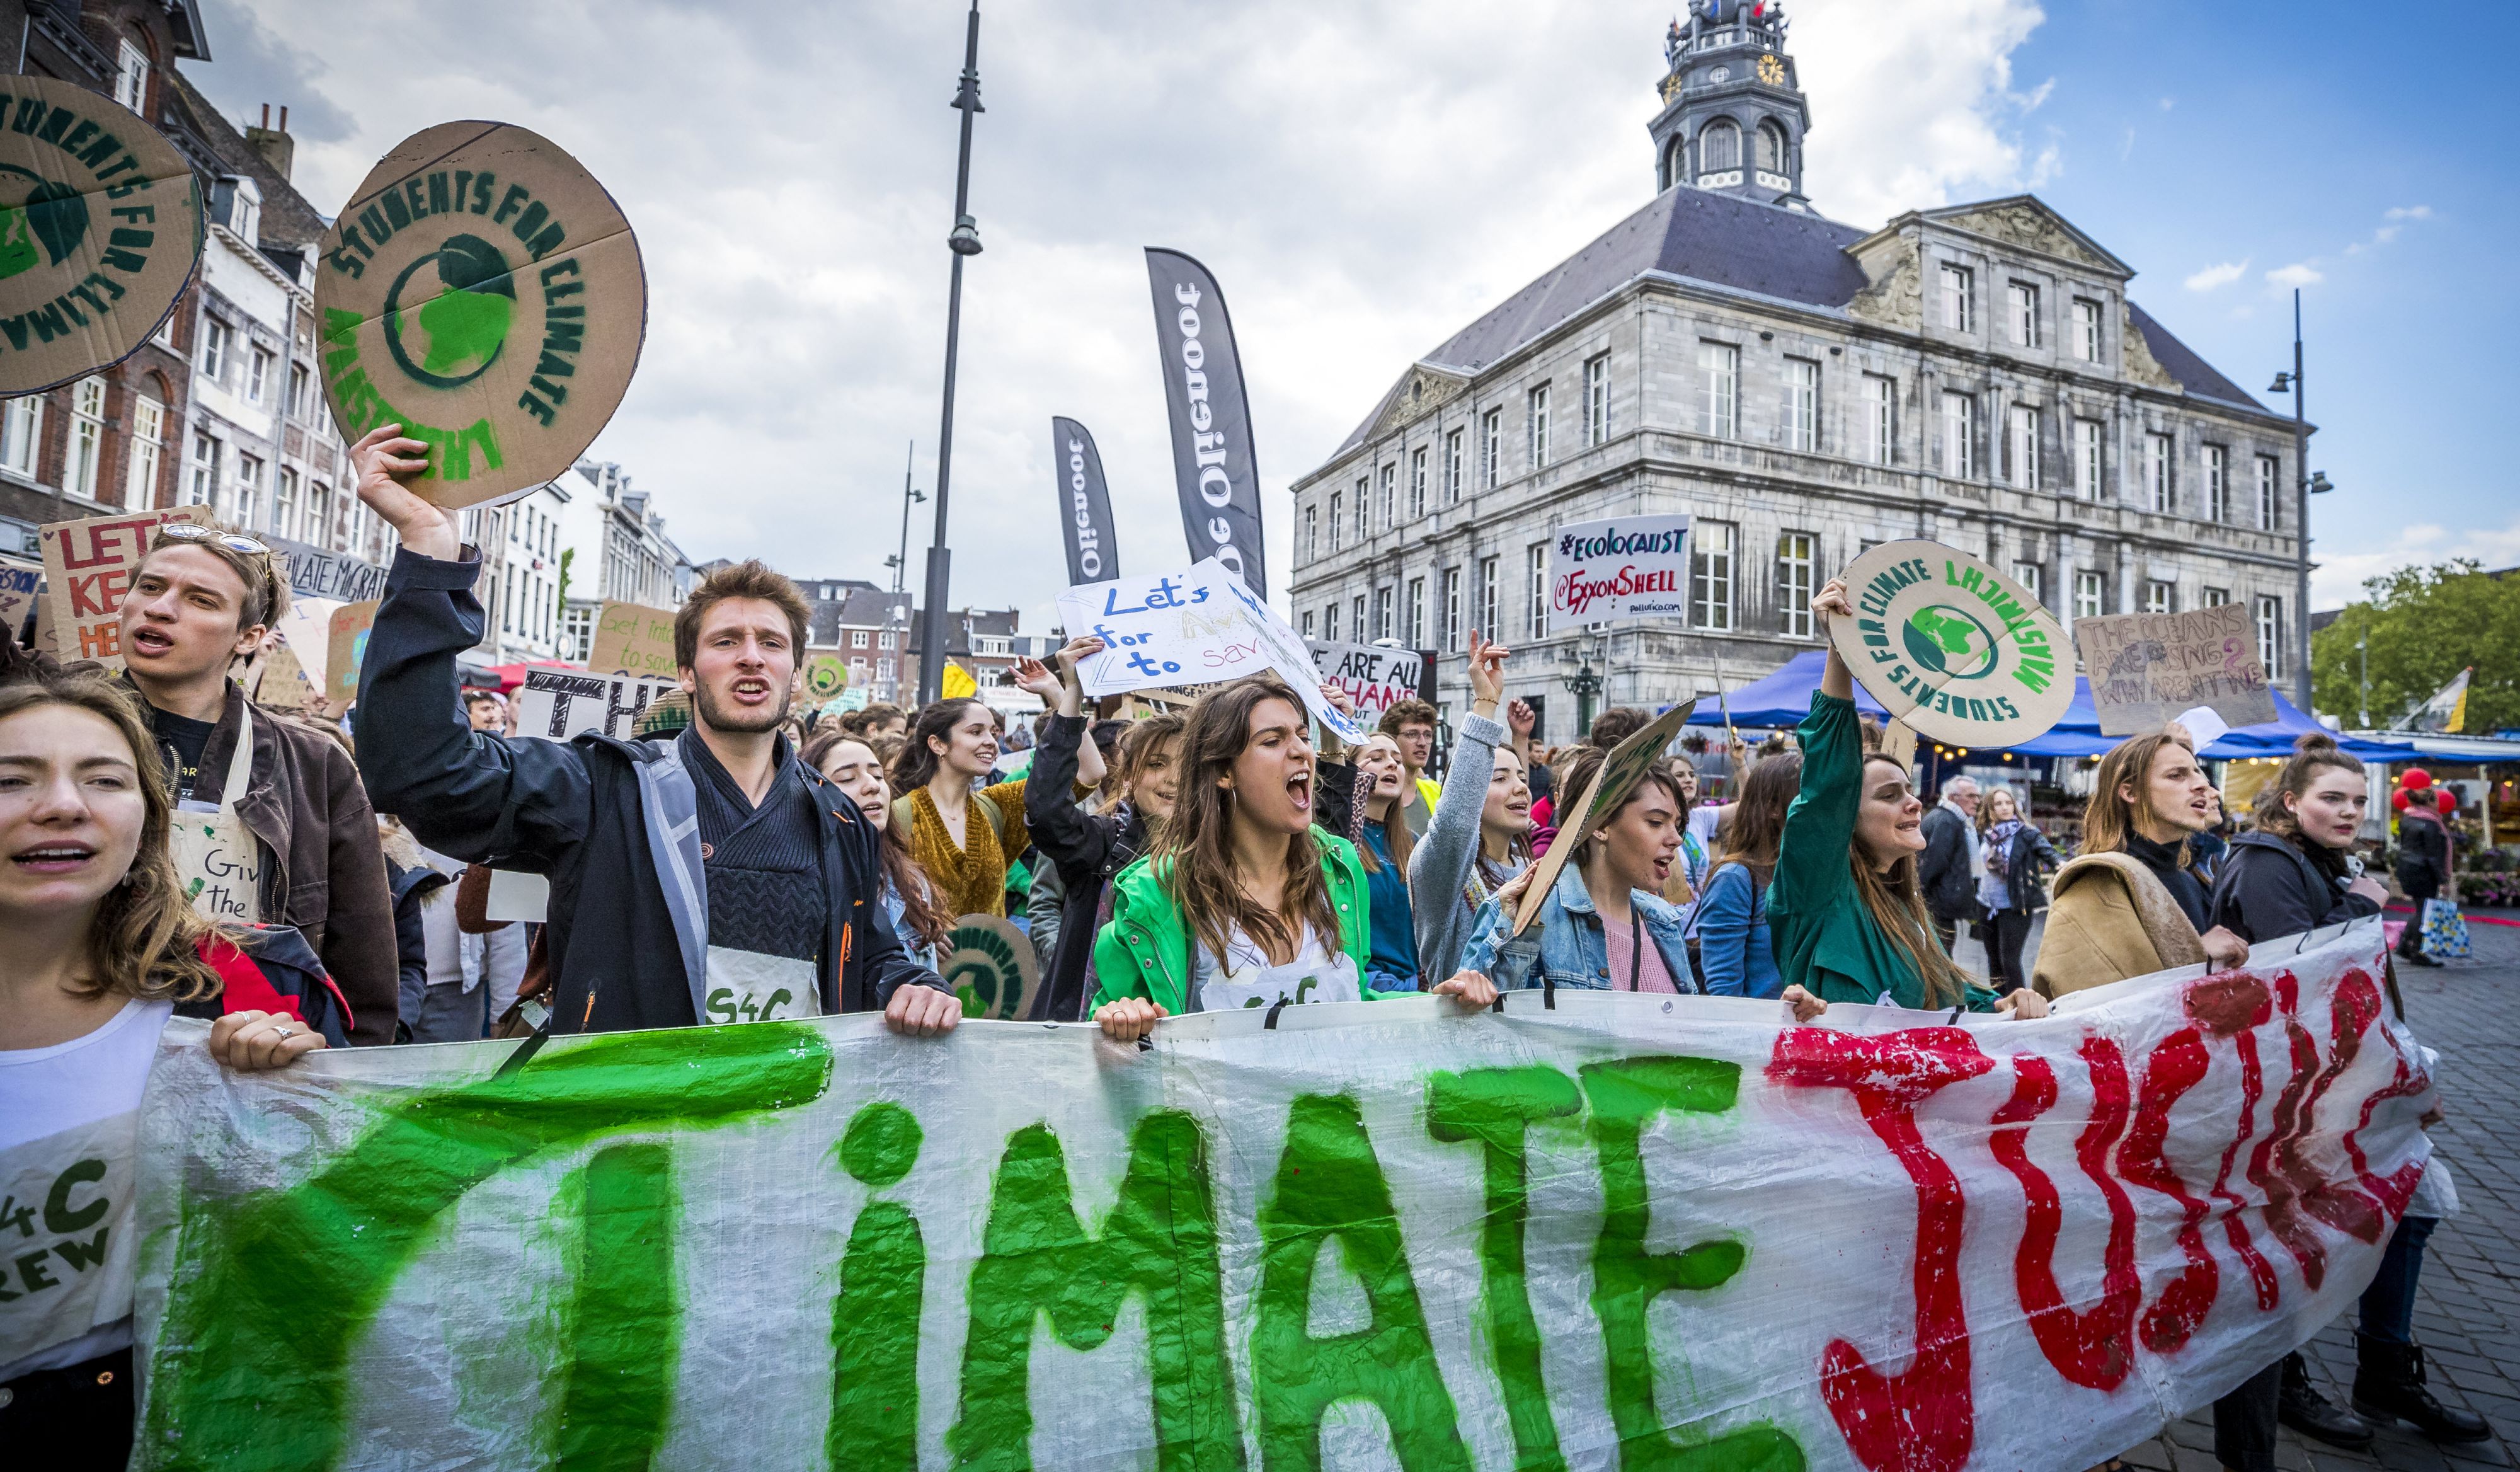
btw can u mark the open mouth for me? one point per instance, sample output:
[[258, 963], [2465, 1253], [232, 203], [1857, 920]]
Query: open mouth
[[53, 859], [151, 641], [1299, 791], [1662, 870], [749, 691]]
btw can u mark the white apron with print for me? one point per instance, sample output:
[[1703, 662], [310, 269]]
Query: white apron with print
[[1314, 975], [217, 859], [746, 985]]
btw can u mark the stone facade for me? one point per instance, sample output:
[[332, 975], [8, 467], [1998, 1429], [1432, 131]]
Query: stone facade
[[1973, 374]]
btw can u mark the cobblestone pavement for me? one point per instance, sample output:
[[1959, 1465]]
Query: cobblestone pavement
[[2467, 1310]]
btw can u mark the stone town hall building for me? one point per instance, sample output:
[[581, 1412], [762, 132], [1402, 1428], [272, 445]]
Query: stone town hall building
[[1803, 390]]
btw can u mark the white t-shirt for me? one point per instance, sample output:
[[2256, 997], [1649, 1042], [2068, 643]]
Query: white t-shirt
[[70, 1125], [1317, 974]]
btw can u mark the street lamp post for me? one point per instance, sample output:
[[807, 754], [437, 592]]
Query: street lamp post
[[899, 562], [1585, 685], [2304, 486], [965, 241]]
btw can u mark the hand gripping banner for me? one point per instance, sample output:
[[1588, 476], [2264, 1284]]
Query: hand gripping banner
[[1644, 1233]]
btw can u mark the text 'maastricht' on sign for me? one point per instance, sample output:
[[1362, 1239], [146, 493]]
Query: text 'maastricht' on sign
[[100, 230], [484, 291], [1954, 649]]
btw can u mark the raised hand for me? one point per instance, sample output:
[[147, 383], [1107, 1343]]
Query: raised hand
[[1033, 675], [381, 460], [1830, 601], [1520, 718], [1487, 673], [1074, 653]]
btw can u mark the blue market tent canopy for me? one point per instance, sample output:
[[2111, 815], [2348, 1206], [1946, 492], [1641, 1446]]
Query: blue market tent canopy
[[1782, 698]]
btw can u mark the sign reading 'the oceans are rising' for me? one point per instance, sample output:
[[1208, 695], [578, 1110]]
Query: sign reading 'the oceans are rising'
[[484, 293], [100, 229], [1954, 649]]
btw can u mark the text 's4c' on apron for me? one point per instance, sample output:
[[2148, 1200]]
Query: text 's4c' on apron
[[217, 859]]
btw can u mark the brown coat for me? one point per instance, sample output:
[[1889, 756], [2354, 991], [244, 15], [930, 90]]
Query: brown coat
[[325, 867], [2110, 919]]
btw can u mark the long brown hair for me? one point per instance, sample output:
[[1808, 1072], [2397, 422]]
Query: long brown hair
[[2311, 754], [1136, 746], [144, 937], [928, 924], [1578, 775], [1195, 849], [1896, 900], [918, 762], [1396, 835], [1756, 830], [2109, 819]]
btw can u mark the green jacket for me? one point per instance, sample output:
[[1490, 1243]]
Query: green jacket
[[1145, 950]]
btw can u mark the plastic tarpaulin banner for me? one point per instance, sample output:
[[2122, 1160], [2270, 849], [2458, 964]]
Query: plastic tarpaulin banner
[[1646, 1232]]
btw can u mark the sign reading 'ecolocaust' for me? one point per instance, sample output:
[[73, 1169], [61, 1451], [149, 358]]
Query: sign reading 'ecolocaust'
[[484, 293], [1630, 567]]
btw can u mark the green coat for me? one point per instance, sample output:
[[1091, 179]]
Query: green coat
[[1146, 950]]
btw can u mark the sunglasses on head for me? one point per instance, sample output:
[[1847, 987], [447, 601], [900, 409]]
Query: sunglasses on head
[[194, 531]]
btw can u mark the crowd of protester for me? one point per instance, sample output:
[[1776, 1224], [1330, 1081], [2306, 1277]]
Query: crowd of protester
[[305, 884]]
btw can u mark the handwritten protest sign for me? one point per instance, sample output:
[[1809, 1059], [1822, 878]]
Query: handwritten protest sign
[[558, 704], [20, 584], [345, 651], [277, 681], [1611, 782], [2146, 668], [87, 572], [1629, 566], [1193, 628], [632, 639], [306, 627], [1641, 1230], [314, 572], [1375, 678], [1951, 648]]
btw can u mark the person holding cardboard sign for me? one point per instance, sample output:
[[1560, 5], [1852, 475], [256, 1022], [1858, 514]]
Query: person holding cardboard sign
[[1845, 908], [708, 878], [273, 826]]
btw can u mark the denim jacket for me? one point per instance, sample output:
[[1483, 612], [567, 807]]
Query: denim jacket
[[1564, 942]]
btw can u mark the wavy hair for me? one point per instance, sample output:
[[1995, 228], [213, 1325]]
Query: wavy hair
[[917, 764], [2109, 819], [901, 870], [143, 938], [1896, 900], [1195, 849], [1755, 832]]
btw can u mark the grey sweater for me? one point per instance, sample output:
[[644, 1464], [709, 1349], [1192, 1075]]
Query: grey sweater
[[1441, 863]]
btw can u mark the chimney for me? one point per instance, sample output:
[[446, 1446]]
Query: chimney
[[277, 148]]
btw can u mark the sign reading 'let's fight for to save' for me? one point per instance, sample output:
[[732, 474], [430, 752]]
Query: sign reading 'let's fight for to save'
[[484, 293], [1633, 566], [1954, 649]]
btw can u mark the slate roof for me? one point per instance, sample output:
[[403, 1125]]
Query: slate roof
[[1727, 241], [288, 221]]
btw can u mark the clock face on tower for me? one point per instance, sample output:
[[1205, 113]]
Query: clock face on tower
[[1771, 71]]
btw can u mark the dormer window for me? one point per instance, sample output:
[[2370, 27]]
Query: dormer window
[[131, 79]]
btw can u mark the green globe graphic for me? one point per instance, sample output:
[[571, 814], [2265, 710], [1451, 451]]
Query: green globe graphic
[[448, 313], [1948, 641]]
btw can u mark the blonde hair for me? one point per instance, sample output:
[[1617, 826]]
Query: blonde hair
[[266, 593], [2109, 819]]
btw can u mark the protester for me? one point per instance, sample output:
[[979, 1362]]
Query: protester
[[709, 878], [880, 721], [2424, 851], [1845, 907], [1385, 843], [1411, 726], [910, 902], [1736, 954], [102, 949], [2015, 857], [1948, 870], [2132, 903], [486, 710], [1520, 719], [953, 747], [249, 780], [1242, 901], [442, 997], [1695, 860], [1482, 825]]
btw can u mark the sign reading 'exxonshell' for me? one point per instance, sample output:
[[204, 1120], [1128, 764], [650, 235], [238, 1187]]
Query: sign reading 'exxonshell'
[[484, 293], [1954, 649], [100, 229]]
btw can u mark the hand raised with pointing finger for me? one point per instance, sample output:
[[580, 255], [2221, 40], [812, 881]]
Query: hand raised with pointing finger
[[381, 459]]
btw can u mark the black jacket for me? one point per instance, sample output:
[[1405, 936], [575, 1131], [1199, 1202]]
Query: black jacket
[[574, 812], [2423, 849], [2268, 888], [1089, 848], [410, 888], [2031, 856], [1950, 889]]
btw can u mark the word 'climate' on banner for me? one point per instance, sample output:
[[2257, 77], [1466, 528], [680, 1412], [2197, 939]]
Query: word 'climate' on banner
[[1632, 567], [1953, 648], [1084, 504], [1382, 1234], [1214, 468], [1195, 627], [558, 704], [1375, 678], [2146, 668]]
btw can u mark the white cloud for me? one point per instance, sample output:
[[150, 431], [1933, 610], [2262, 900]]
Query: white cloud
[[2299, 274], [2336, 579], [2212, 278], [2410, 213], [1363, 181]]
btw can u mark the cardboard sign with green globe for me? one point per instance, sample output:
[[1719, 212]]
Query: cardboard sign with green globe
[[991, 967], [826, 674], [484, 293], [100, 230], [1951, 648]]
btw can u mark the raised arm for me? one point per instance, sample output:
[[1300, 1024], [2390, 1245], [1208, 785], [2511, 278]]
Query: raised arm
[[1442, 861]]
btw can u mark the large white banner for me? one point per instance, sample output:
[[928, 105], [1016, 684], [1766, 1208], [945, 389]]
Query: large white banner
[[1643, 1233]]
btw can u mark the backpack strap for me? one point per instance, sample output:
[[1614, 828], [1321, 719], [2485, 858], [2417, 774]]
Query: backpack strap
[[905, 816]]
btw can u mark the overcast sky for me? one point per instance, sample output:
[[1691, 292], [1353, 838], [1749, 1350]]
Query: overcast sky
[[1365, 179]]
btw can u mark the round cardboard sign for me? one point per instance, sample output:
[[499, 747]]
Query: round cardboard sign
[[100, 231], [484, 293], [991, 967], [826, 676], [1951, 647]]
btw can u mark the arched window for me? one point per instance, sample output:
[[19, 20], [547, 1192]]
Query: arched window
[[1719, 145], [1771, 148], [1675, 160]]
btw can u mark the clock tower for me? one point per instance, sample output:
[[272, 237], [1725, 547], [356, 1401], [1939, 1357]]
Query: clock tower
[[1733, 116]]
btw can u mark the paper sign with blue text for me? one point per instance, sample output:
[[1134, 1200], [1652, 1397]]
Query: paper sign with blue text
[[1629, 566], [1193, 628]]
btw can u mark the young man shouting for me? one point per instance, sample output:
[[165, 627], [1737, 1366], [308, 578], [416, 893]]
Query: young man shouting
[[273, 827], [711, 878]]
